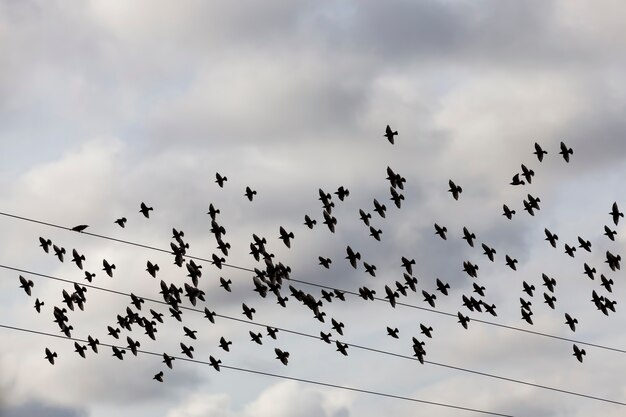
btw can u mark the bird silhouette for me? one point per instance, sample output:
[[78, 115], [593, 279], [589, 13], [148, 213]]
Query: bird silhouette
[[190, 333], [606, 283], [145, 210], [490, 252], [38, 305], [516, 180], [549, 300], [79, 228], [352, 257], [342, 193], [337, 325], [578, 352], [570, 250], [282, 356], [566, 152], [158, 377], [220, 180], [342, 347], [27, 285], [379, 208], [121, 222], [615, 213], [539, 152], [589, 271], [285, 237], [571, 322], [396, 197], [325, 262], [478, 289], [365, 217], [187, 350], [309, 222], [271, 332], [464, 320], [429, 298], [526, 315], [224, 344], [50, 356], [391, 296], [215, 363], [375, 233], [59, 252], [392, 332], [585, 244], [390, 134], [45, 244], [108, 268], [508, 213], [256, 337], [528, 174], [528, 289], [426, 331], [469, 237], [441, 231], [152, 269], [441, 287], [550, 283], [248, 311], [167, 360], [613, 260], [511, 262], [118, 353], [454, 189], [470, 269], [609, 233], [370, 269], [250, 193]]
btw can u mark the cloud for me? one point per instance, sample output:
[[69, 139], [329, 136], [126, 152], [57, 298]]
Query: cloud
[[38, 408]]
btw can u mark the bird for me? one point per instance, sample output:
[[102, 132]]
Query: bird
[[108, 268], [271, 332], [213, 212], [613, 260], [427, 331], [342, 347], [526, 315], [391, 296], [220, 180], [392, 332], [470, 269], [190, 333], [571, 322], [606, 283], [27, 285], [342, 193], [375, 233], [516, 181], [508, 213], [525, 304], [408, 264], [152, 268], [157, 316], [396, 197], [570, 250], [45, 244], [429, 298], [167, 360], [528, 174], [615, 213], [396, 180], [132, 345], [325, 337], [549, 299], [339, 295], [490, 308], [454, 189], [325, 262], [585, 244], [38, 305], [365, 217], [589, 271], [352, 257], [282, 356], [121, 222], [511, 262], [285, 237], [145, 210], [566, 152], [551, 237], [464, 320], [379, 208], [215, 363], [187, 350], [528, 207], [250, 193], [78, 259], [309, 222], [224, 344], [478, 289], [119, 354], [59, 252], [79, 228], [114, 332], [550, 283], [209, 315], [159, 376], [609, 233], [225, 284], [579, 353], [177, 314], [441, 287], [539, 152], [528, 289], [490, 252], [256, 337], [370, 269], [390, 134], [248, 311], [337, 325], [50, 356], [469, 237], [441, 231]]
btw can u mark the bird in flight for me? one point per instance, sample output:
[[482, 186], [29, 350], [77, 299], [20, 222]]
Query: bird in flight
[[121, 222], [389, 134], [145, 210], [566, 152], [454, 189], [50, 356], [220, 180], [579, 353], [27, 285], [282, 356], [539, 152], [250, 193], [615, 213]]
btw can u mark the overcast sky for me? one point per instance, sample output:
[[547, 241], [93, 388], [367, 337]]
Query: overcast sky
[[105, 104]]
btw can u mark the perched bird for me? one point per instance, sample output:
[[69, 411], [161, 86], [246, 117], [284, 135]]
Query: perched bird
[[79, 228], [282, 356], [215, 363], [578, 352], [615, 213], [609, 233], [539, 152], [441, 231], [325, 262], [454, 189], [158, 377], [121, 222], [551, 237], [45, 244], [469, 237], [38, 305], [389, 134], [224, 344], [108, 268], [365, 217], [220, 180], [145, 210], [442, 288], [508, 213], [186, 350], [392, 332], [511, 262], [490, 252], [248, 311], [50, 356], [152, 268], [285, 237], [308, 222], [27, 285], [250, 193], [585, 244], [566, 152], [571, 322]]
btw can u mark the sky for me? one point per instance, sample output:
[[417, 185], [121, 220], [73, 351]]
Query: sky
[[106, 104]]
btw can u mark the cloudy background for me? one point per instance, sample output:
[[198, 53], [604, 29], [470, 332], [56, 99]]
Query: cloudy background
[[104, 104]]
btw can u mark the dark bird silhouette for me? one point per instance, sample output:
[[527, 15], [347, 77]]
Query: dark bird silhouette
[[27, 285], [329, 221], [526, 315], [589, 271], [464, 320], [454, 189], [613, 260], [578, 352], [478, 289], [615, 213], [225, 284], [50, 356], [370, 269], [285, 237], [396, 197], [366, 293], [549, 300], [441, 231], [401, 288], [490, 252], [429, 298], [282, 356], [152, 268], [167, 360], [528, 289], [550, 283], [118, 353], [145, 210], [121, 222], [571, 322], [365, 217], [256, 337], [80, 349], [396, 180], [609, 233], [190, 333], [441, 287], [539, 152], [38, 305], [551, 237], [606, 283], [108, 268], [566, 152], [248, 311], [392, 332], [375, 233], [309, 222], [516, 181], [271, 332], [79, 228], [389, 134], [508, 213], [89, 276], [186, 350], [224, 344], [528, 207], [470, 269], [325, 337], [213, 212], [528, 174], [220, 180], [59, 252], [132, 345], [250, 193], [45, 244], [339, 295], [325, 262], [427, 331], [511, 262], [525, 304], [215, 363], [490, 308], [157, 316], [113, 332], [408, 265], [469, 237], [158, 377], [570, 250], [585, 244], [391, 296], [137, 301], [379, 208], [337, 325], [342, 193], [78, 259], [177, 314], [411, 282], [352, 257], [342, 347]]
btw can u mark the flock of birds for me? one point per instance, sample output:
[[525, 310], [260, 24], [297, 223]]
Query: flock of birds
[[271, 276]]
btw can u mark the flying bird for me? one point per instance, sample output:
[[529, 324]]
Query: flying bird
[[342, 193], [454, 189], [309, 222], [121, 222], [282, 356], [392, 332], [379, 208], [578, 352], [551, 237], [225, 284], [539, 152], [353, 257], [342, 347], [78, 259], [108, 268], [152, 268], [615, 213], [220, 180], [250, 193], [442, 288], [528, 289], [187, 350], [490, 252], [45, 244], [508, 213], [441, 231], [158, 377], [528, 174], [215, 363], [50, 356], [389, 134], [511, 262], [550, 283], [609, 233], [516, 181], [224, 344], [145, 210], [571, 322], [285, 237], [337, 326], [248, 311], [59, 252], [566, 152], [585, 244], [271, 332], [464, 320], [570, 250], [365, 217], [469, 237], [27, 285], [38, 305]]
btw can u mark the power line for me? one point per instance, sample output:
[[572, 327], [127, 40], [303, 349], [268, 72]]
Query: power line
[[370, 349], [491, 323], [307, 381]]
